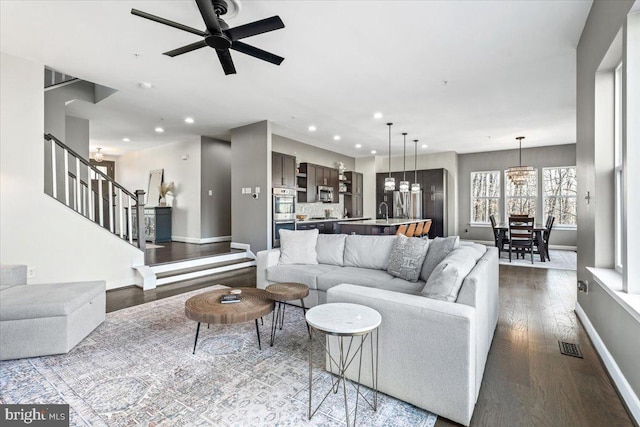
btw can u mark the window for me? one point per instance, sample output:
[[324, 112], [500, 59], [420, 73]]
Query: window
[[521, 199], [617, 142], [559, 187], [485, 196]]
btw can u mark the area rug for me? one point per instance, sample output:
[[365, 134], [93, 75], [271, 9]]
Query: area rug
[[137, 368], [560, 260]]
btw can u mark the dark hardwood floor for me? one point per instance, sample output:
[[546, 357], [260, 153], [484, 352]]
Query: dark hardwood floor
[[527, 382], [178, 251]]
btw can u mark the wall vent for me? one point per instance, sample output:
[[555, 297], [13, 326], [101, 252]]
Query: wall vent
[[570, 349]]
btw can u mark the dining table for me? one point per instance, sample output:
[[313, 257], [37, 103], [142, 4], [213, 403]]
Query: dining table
[[538, 230]]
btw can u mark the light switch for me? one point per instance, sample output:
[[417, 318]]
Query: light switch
[[257, 190], [210, 192]]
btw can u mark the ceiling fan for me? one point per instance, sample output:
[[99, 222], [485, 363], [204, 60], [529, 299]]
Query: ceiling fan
[[219, 36]]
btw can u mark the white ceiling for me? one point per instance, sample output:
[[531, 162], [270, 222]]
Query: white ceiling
[[509, 68]]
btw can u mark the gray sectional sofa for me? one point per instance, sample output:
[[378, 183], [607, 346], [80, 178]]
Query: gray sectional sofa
[[44, 319], [432, 352]]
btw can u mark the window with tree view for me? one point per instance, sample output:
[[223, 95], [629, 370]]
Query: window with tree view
[[521, 199], [559, 186], [485, 196]]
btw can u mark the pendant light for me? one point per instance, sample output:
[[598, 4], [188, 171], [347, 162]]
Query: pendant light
[[98, 157], [416, 185], [519, 175], [389, 182], [404, 184]]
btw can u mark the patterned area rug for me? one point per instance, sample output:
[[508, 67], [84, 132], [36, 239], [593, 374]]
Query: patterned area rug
[[137, 369], [560, 260]]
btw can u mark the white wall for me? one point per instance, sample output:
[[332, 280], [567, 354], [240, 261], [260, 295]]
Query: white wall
[[35, 229], [132, 171]]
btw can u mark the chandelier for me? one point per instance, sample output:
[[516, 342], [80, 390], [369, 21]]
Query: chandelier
[[404, 184], [416, 185], [519, 175], [98, 157], [389, 182]]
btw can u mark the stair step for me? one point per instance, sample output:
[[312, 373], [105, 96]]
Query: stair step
[[197, 268], [196, 262]]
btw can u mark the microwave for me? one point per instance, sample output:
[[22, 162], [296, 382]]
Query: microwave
[[325, 194]]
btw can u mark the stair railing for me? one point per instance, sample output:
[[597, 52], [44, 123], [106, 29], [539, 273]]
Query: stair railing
[[72, 183]]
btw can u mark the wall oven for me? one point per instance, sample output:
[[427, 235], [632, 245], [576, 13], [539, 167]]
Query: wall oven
[[284, 204], [325, 194]]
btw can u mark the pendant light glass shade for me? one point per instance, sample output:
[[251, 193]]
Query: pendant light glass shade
[[416, 185], [519, 175], [404, 184], [98, 157], [389, 182]]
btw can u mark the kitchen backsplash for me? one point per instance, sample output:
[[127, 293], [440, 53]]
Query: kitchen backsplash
[[317, 209]]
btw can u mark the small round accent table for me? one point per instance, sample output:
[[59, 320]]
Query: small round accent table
[[207, 308], [281, 293], [345, 322]]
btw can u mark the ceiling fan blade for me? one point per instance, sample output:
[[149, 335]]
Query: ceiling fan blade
[[167, 22], [225, 60], [255, 28], [257, 53], [209, 16], [185, 49]]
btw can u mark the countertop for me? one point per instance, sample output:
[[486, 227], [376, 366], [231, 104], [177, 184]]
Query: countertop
[[311, 221], [386, 222]]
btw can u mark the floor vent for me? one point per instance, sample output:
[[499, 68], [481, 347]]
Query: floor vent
[[570, 349]]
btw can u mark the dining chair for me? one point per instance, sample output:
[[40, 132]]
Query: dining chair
[[411, 230], [496, 236], [418, 231], [402, 229], [521, 235], [545, 237]]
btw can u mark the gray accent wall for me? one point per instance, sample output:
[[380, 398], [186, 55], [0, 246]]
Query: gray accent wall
[[251, 168], [538, 157], [215, 209], [618, 330]]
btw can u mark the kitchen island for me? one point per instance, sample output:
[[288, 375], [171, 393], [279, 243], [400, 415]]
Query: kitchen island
[[376, 226]]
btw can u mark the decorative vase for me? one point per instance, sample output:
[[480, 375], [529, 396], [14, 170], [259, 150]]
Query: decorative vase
[[163, 202]]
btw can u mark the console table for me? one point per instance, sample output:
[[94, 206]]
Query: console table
[[157, 223]]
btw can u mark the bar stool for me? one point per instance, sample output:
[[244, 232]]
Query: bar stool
[[411, 230], [419, 229], [402, 229], [426, 228]]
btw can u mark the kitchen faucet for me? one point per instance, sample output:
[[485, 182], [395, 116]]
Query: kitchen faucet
[[386, 213]]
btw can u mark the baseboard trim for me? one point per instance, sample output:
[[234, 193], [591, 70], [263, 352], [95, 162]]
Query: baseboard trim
[[201, 241], [624, 388]]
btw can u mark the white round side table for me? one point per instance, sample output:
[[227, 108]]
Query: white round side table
[[347, 322]]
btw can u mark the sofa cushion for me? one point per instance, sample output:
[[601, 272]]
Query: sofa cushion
[[298, 247], [368, 251], [356, 276], [330, 249], [403, 286], [47, 300], [446, 279], [478, 249], [305, 274], [439, 248], [407, 257]]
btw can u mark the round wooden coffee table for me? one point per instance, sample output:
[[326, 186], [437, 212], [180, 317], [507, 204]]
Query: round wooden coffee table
[[207, 308], [281, 293]]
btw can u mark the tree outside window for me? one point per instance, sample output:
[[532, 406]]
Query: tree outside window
[[521, 199], [485, 196], [560, 191]]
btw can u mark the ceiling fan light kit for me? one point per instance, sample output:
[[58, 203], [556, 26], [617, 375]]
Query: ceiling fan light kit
[[519, 175], [219, 36]]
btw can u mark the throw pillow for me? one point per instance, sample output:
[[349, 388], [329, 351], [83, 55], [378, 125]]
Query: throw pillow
[[368, 251], [446, 279], [298, 247], [439, 248], [407, 256], [330, 249]]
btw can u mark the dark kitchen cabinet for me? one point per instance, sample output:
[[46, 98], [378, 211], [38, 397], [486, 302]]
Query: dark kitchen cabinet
[[283, 170], [353, 196], [311, 176]]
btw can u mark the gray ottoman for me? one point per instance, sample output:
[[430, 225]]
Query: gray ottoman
[[38, 320]]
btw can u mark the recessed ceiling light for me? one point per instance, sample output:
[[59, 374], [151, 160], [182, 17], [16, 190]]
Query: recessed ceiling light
[[126, 140], [358, 145], [189, 120], [159, 129], [336, 138], [424, 145], [146, 85], [312, 128], [374, 152], [377, 115]]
